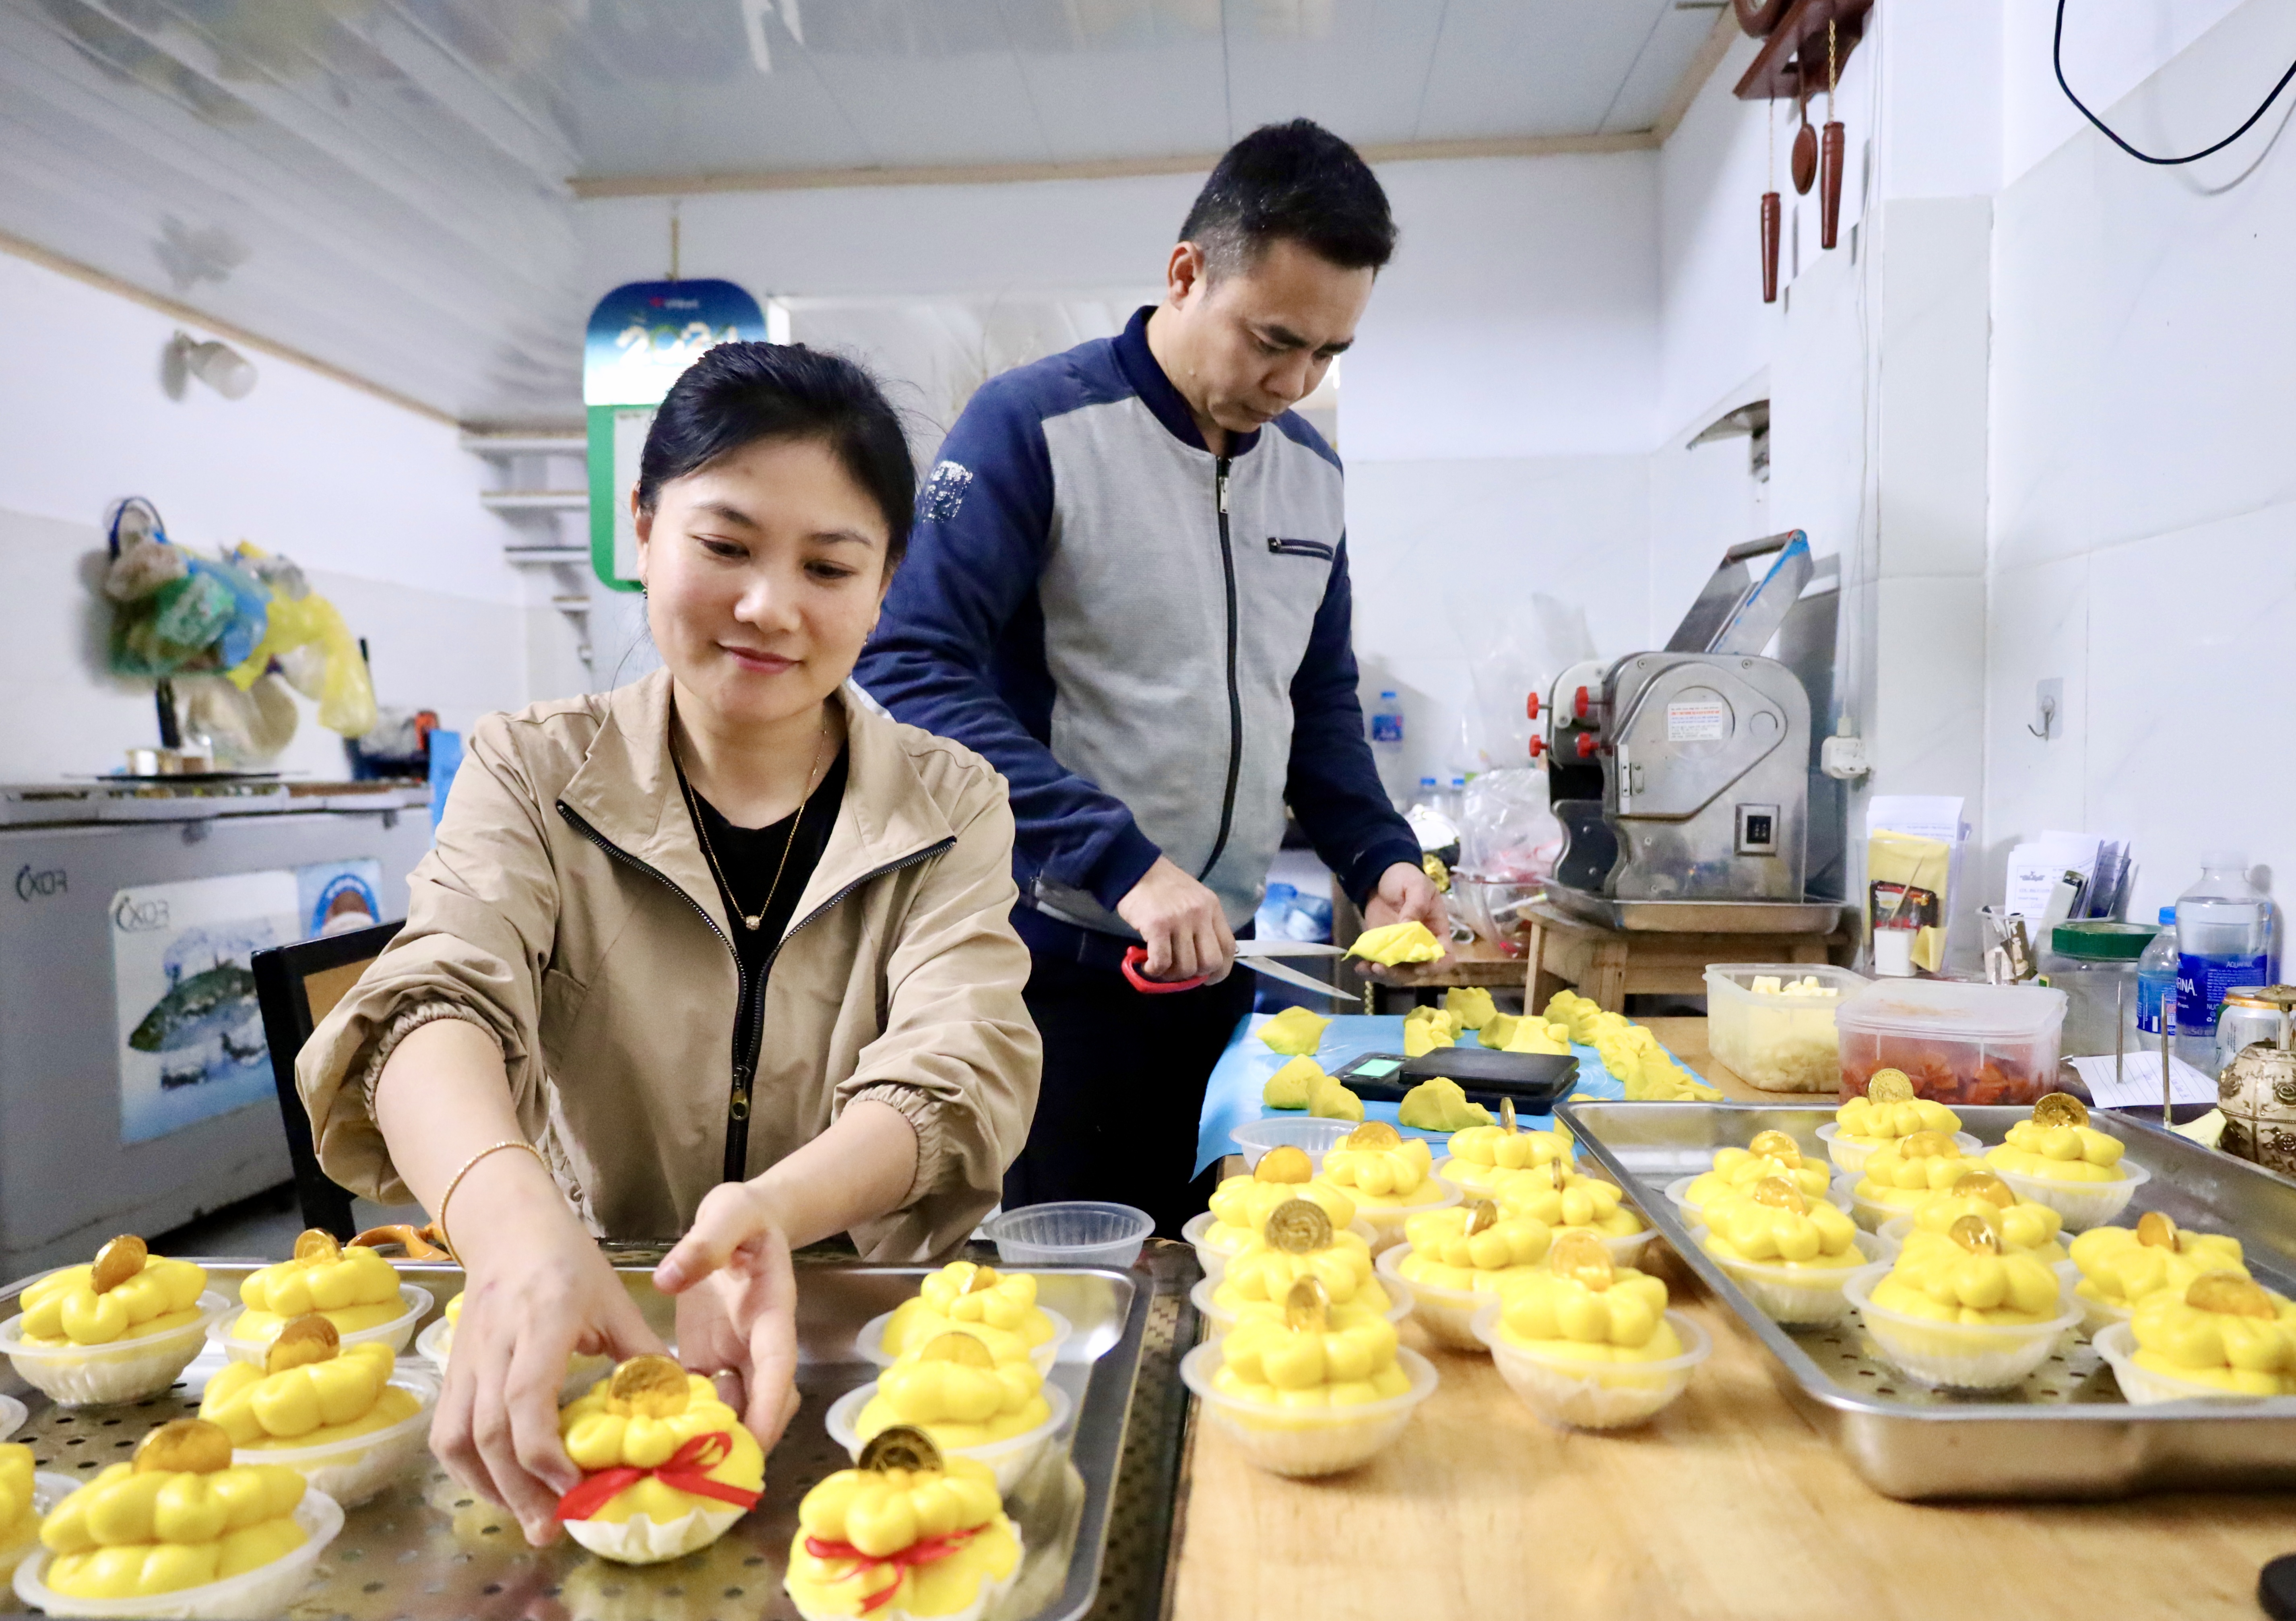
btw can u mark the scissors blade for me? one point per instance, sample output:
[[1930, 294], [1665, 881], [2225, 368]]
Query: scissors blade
[[1278, 947], [1292, 976]]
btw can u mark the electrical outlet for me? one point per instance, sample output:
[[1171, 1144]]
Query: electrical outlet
[[2048, 709]]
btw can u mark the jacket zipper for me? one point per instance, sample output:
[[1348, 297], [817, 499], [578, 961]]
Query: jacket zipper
[[1300, 548], [1235, 695], [745, 1065]]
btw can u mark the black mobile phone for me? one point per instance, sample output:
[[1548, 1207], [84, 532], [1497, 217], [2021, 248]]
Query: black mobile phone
[[1534, 1080]]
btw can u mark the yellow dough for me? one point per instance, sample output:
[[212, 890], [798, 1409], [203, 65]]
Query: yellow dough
[[1444, 1253], [1862, 1120], [1908, 1171], [353, 1289], [1394, 943], [1772, 1225], [1585, 1203], [1470, 1006], [851, 1526], [1241, 1203], [643, 1416], [2060, 1152], [1424, 1035], [1604, 1317], [1439, 1104], [1294, 1084], [319, 1403], [66, 1308], [1295, 1031], [20, 1521], [2223, 1329], [2025, 1227], [957, 1397], [999, 1306], [2123, 1267], [1536, 1035], [1583, 1017], [1329, 1100], [142, 1529], [1382, 1177]]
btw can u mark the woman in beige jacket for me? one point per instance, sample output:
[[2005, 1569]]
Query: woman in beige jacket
[[723, 957]]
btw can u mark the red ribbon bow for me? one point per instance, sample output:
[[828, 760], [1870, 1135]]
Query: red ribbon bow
[[687, 1470], [916, 1553]]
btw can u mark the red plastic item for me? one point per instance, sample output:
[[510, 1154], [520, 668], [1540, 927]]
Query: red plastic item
[[1532, 711], [1137, 956], [1538, 747], [1578, 704], [1586, 745]]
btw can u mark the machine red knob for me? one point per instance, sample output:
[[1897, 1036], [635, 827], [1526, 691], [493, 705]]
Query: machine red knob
[[1532, 711], [1586, 745], [1538, 747], [1578, 704]]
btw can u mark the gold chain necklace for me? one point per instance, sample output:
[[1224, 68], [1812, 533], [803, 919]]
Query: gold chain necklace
[[797, 819]]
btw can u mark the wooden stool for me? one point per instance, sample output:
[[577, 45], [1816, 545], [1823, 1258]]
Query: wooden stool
[[1608, 965]]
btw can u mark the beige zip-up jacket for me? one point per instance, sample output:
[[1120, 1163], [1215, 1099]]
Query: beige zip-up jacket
[[567, 909]]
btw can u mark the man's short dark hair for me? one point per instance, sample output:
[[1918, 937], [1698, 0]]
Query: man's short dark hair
[[1295, 181]]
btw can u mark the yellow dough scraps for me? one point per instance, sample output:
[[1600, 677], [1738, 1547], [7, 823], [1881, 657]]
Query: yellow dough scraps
[[1382, 1177], [1312, 1365], [1470, 1006], [958, 1396], [1329, 1100], [877, 1514], [1000, 1305], [2123, 1267], [331, 1398], [2222, 1329], [1646, 1070], [1394, 943], [1295, 1030], [20, 1521], [2063, 1153], [1439, 1104], [1457, 1249], [66, 1308], [1424, 1035], [1536, 1035], [1584, 1017], [660, 1410], [1862, 1120], [1772, 1225], [142, 1529], [353, 1289], [1294, 1084]]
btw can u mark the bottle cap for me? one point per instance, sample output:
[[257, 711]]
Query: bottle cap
[[2168, 914]]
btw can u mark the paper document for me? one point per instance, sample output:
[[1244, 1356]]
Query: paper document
[[2140, 1082]]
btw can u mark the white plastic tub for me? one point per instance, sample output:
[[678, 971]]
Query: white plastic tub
[[1310, 1133], [1077, 1234], [1777, 1043], [1956, 1356], [397, 1332], [1011, 1459], [2082, 1205], [269, 1589], [1306, 1442], [125, 1371], [1610, 1396]]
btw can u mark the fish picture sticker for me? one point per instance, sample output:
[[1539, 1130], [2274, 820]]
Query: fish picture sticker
[[191, 1034], [339, 896]]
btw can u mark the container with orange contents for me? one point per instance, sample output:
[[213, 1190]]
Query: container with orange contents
[[1298, 1240], [1905, 1172], [1962, 1313], [2059, 1159], [1454, 1259], [348, 1421], [1787, 1253], [1390, 1179], [1590, 1343], [354, 1289], [1740, 1170], [1889, 1112], [2026, 1228], [180, 1531], [909, 1533], [666, 1466], [118, 1330], [1240, 1204], [1000, 1308], [2223, 1335], [1956, 1042], [2120, 1267]]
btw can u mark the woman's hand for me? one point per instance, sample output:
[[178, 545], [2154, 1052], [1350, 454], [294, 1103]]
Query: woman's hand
[[537, 1293], [737, 1305]]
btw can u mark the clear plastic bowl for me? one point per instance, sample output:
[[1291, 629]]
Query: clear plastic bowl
[[1308, 1133], [2143, 1386], [1011, 1459], [2083, 1205], [1849, 1158], [1212, 1258], [268, 1589], [1678, 1192], [1398, 1301], [1570, 1394], [1386, 1221], [434, 1344], [2097, 1315], [351, 1471], [1956, 1356], [48, 1491], [870, 1342], [1304, 1443], [12, 1415], [1078, 1233], [1797, 1297], [398, 1331], [1894, 1233], [1447, 1314], [125, 1371]]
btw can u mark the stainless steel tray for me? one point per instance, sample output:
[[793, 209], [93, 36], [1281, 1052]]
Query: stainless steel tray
[[1697, 917], [425, 1548], [2066, 1432]]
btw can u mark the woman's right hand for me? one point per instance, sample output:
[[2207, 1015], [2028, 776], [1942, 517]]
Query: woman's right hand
[[540, 1291]]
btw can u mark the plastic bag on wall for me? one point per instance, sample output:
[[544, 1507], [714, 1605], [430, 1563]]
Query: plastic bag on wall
[[1509, 834]]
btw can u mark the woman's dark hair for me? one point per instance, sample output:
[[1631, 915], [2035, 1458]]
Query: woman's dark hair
[[1296, 181], [740, 393]]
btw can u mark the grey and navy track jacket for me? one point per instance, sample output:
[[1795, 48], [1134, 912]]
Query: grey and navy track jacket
[[1151, 642]]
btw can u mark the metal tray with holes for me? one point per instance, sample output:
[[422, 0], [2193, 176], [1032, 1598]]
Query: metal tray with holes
[[425, 1548], [2066, 1432]]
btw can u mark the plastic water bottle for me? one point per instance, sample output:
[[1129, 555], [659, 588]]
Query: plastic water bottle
[[2224, 940], [1387, 744], [2156, 982], [1430, 795], [1455, 799]]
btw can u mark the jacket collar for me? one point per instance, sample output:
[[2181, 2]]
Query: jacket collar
[[1141, 368], [626, 792]]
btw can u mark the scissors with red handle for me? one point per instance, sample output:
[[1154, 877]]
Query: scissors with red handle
[[1257, 956]]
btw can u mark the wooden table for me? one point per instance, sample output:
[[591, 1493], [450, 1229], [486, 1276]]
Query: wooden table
[[1727, 1504], [1608, 965]]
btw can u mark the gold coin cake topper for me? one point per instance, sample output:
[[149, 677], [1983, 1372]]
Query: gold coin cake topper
[[2156, 1230], [1374, 1134], [1987, 1186], [655, 1387], [1481, 1216], [1298, 1226], [308, 1339], [1506, 1116], [2060, 1108], [1928, 1145], [1584, 1259], [1285, 1163], [1308, 1308], [1975, 1234], [187, 1446], [2230, 1293], [1560, 1171], [900, 1446], [1889, 1087], [117, 1261], [1780, 1194], [1776, 1145], [963, 1349], [314, 1244]]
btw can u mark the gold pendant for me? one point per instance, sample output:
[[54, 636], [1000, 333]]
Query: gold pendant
[[752, 923]]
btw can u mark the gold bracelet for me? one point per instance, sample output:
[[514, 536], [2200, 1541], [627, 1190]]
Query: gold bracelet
[[455, 1181]]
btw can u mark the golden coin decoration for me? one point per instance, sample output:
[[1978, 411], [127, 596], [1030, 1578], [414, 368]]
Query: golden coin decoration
[[899, 1447], [2060, 1108], [1776, 1145], [1987, 1186], [308, 1339], [2230, 1293], [187, 1446], [1506, 1116], [963, 1349], [1780, 1194], [1975, 1234], [117, 1261], [1927, 1145], [1298, 1226], [2156, 1230], [1889, 1087], [655, 1387], [1583, 1258], [313, 1244], [1285, 1163], [1374, 1134], [1482, 1215], [1559, 1170], [1308, 1308]]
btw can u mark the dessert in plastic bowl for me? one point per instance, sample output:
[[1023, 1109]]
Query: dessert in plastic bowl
[[1570, 1201], [999, 1306], [1905, 1172], [1589, 1344], [2119, 1266], [1479, 1155], [1297, 1241], [435, 1343], [395, 1332], [118, 1330], [1311, 1391], [1453, 1260], [1679, 1192], [2057, 1159], [1770, 1153], [26, 1495], [666, 1466], [1240, 1204], [1011, 1459], [2224, 1336], [118, 1546], [906, 1536], [1886, 1111], [1787, 1254], [2025, 1227], [1313, 1136], [354, 1289], [1391, 1179], [348, 1421], [1224, 1310], [1974, 1320]]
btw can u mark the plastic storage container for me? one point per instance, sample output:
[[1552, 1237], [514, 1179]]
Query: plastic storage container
[[1077, 1234], [2095, 965], [1956, 1042], [1777, 1042]]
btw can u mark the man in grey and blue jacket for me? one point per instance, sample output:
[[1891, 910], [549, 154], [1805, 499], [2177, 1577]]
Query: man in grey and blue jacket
[[1128, 588]]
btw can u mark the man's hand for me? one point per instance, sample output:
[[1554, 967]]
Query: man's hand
[[1181, 923], [1405, 894]]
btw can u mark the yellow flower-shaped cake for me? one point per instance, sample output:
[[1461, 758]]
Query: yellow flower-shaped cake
[[667, 1466], [1963, 1280], [1772, 1225], [2122, 1268], [308, 1392], [182, 1515], [1908, 1171], [1000, 1308], [2222, 1329], [1297, 1241], [951, 1388], [1864, 1120], [910, 1536], [1582, 1309], [1241, 1203], [2025, 1227], [353, 1289], [2059, 1149], [1473, 1247], [1381, 1175], [1772, 1154], [1479, 1152], [1565, 1199], [19, 1518], [1310, 1362], [127, 1294]]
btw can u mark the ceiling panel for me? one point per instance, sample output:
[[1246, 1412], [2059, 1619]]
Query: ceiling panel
[[1532, 68], [1092, 106], [1667, 54], [1358, 66]]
